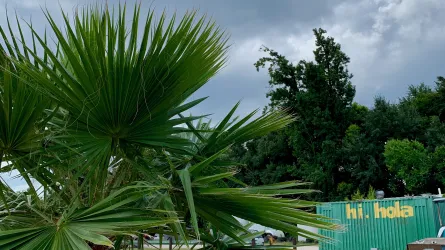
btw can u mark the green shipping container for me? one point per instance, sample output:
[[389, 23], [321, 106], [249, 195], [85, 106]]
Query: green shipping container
[[387, 224]]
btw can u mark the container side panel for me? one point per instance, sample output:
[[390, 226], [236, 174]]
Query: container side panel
[[388, 224], [439, 214]]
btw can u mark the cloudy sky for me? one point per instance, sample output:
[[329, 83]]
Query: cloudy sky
[[391, 43]]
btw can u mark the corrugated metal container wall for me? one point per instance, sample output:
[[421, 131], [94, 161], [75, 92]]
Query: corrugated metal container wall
[[388, 224], [439, 211]]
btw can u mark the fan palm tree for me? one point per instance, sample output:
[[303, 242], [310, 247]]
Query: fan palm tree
[[93, 123]]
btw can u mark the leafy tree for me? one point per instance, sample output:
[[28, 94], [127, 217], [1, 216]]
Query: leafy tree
[[320, 94], [423, 98], [338, 144], [435, 133], [335, 140], [97, 122], [412, 163], [384, 122], [345, 189], [429, 102], [396, 121], [438, 158], [266, 160], [358, 114], [361, 160]]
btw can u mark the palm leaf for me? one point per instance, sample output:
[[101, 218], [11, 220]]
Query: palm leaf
[[230, 131], [77, 225], [250, 204], [97, 121], [184, 175], [21, 111], [129, 97]]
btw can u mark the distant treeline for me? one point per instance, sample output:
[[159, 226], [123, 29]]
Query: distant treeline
[[346, 149]]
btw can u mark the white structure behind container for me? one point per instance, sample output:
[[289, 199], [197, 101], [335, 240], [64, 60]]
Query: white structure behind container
[[307, 228], [260, 228]]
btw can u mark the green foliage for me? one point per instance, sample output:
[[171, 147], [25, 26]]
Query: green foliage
[[345, 189], [358, 114], [357, 196], [371, 194], [428, 101], [435, 133], [97, 123], [320, 94], [266, 160], [338, 144], [438, 159], [420, 170], [77, 225], [215, 239], [410, 161]]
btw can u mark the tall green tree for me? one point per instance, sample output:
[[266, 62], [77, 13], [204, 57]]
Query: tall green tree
[[361, 161], [338, 144], [266, 160], [320, 94], [428, 101], [97, 122], [363, 146]]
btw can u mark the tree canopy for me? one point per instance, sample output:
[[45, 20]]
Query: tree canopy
[[346, 149]]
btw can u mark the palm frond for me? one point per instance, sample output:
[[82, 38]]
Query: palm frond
[[121, 88], [23, 116], [75, 226], [271, 210], [97, 121], [233, 130]]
